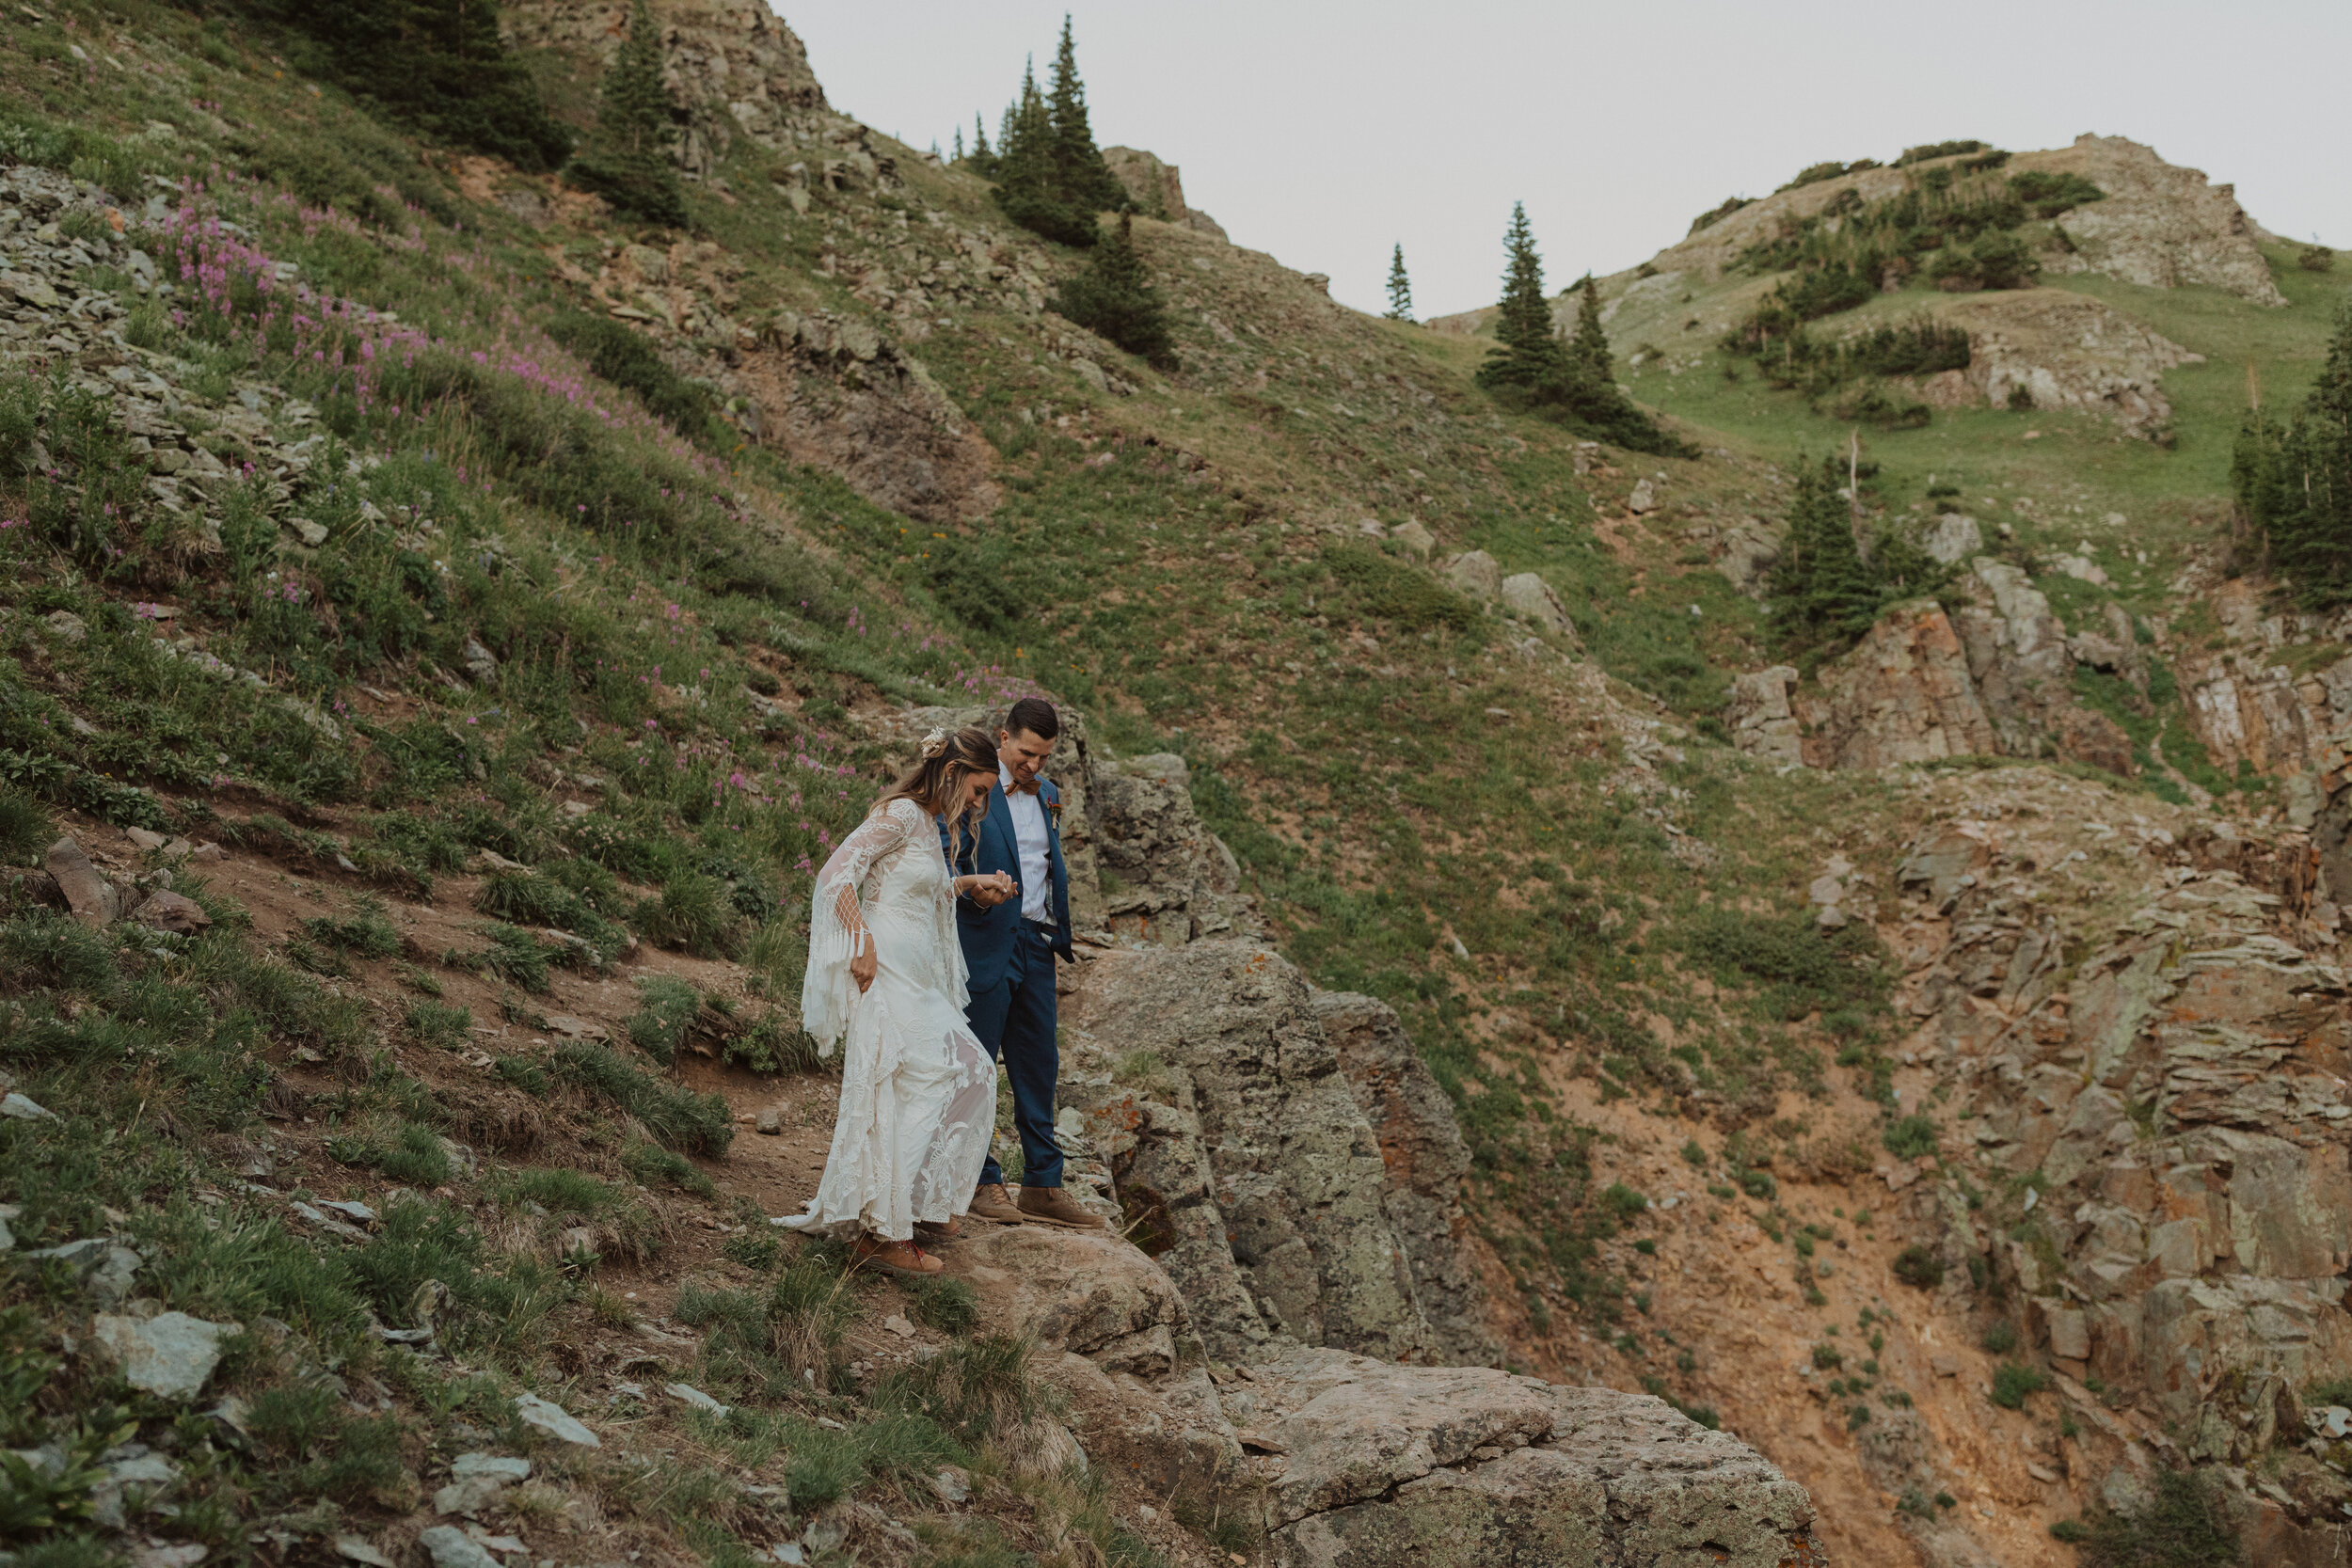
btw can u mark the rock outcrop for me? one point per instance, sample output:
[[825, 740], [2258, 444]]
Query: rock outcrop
[[1369, 1465], [2159, 225], [1165, 877], [1238, 1145], [732, 65], [2159, 1106], [1158, 190], [1423, 1163], [833, 392], [2056, 349], [1994, 679], [1290, 1175], [1902, 695]]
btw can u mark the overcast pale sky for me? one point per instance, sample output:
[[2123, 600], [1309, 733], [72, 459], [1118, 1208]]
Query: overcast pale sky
[[1323, 133]]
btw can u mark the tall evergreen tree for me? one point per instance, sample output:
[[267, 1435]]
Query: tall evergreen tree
[[1050, 177], [1574, 383], [983, 161], [436, 65], [1028, 186], [1085, 179], [628, 158], [1400, 287], [2294, 482], [1588, 350], [1114, 297], [1528, 353], [1822, 591]]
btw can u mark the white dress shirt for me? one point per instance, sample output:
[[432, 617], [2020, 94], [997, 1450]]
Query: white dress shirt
[[1028, 832]]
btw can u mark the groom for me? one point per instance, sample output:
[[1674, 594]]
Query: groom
[[1010, 949]]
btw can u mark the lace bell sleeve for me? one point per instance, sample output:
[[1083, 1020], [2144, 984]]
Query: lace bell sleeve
[[836, 926]]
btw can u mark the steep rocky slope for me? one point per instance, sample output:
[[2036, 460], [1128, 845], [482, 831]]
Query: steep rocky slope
[[1457, 992]]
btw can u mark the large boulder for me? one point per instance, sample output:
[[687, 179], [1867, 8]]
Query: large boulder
[[1158, 189], [1423, 1163], [2063, 351], [1165, 877], [1902, 695], [1373, 1464], [1761, 722], [1243, 1145], [2159, 225], [1528, 597], [1475, 573]]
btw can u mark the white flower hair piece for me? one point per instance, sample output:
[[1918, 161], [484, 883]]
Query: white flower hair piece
[[935, 744]]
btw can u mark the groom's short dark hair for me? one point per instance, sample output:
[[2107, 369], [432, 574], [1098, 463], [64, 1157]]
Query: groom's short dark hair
[[1035, 714]]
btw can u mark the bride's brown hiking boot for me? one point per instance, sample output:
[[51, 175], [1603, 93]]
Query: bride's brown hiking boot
[[1054, 1207], [993, 1202], [898, 1257]]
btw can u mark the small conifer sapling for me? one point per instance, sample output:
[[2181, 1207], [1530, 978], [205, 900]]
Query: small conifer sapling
[[1400, 288], [1113, 298], [627, 159]]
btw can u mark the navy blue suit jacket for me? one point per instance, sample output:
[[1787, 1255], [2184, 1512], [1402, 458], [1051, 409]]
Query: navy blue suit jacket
[[988, 934]]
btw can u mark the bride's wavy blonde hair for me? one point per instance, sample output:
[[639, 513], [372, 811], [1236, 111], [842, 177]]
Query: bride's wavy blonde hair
[[938, 775]]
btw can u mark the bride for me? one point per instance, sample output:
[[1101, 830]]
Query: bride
[[918, 1092]]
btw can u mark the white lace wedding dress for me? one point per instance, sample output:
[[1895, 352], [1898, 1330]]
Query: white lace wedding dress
[[918, 1092]]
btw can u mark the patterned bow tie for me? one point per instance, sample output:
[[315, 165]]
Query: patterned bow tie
[[1029, 788]]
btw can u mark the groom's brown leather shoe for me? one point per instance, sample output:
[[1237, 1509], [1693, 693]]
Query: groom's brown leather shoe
[[1056, 1207], [993, 1202]]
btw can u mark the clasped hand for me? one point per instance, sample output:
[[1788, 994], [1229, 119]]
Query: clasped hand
[[988, 891]]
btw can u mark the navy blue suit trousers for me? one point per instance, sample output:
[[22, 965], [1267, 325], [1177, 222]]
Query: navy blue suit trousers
[[1014, 1019]]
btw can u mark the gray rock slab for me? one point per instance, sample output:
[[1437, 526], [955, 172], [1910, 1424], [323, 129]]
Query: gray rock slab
[[168, 1355], [93, 900], [1379, 1464], [555, 1421], [451, 1547]]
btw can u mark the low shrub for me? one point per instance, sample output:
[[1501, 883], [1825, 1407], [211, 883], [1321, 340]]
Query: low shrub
[[436, 1025], [1916, 1265], [1909, 1137], [2013, 1381], [2184, 1524], [2000, 1339], [627, 359], [976, 1389]]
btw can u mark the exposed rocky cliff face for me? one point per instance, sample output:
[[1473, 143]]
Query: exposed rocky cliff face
[[2059, 351], [2159, 225], [1996, 678], [2151, 1084], [1158, 188], [732, 66]]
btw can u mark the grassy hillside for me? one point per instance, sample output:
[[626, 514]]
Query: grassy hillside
[[469, 565]]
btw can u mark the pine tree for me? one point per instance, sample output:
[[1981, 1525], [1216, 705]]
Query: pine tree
[[1588, 350], [1400, 288], [1028, 185], [1114, 297], [958, 152], [2295, 483], [1086, 181], [628, 161], [1528, 352], [983, 155], [1050, 177], [1822, 591], [436, 65]]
